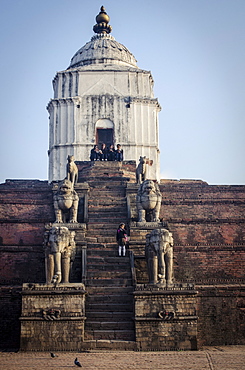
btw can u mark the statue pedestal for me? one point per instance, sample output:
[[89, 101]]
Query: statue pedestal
[[165, 319], [52, 317]]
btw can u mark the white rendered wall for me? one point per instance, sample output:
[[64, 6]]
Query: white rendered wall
[[85, 95]]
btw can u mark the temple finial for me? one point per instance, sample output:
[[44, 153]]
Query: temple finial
[[102, 20]]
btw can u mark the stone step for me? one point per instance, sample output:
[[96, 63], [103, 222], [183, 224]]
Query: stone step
[[109, 345], [99, 282], [108, 201], [110, 325], [106, 184], [107, 209], [107, 248], [126, 335], [105, 298], [108, 267], [111, 251], [116, 262], [106, 240], [109, 290], [103, 226], [104, 175], [107, 187], [107, 214], [112, 219], [109, 316], [98, 274], [97, 193], [109, 307], [107, 173], [105, 232], [95, 257], [110, 232]]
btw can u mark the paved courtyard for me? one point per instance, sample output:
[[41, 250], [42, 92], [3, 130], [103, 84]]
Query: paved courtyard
[[209, 358]]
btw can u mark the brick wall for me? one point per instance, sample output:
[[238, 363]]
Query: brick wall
[[25, 207], [221, 314]]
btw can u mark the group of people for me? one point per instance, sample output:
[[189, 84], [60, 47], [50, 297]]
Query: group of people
[[106, 154]]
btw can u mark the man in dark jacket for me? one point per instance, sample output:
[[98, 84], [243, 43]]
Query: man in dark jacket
[[111, 153], [119, 153], [95, 153]]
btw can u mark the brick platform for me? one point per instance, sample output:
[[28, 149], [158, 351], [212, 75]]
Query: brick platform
[[211, 358]]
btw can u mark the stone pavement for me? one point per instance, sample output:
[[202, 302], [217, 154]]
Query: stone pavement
[[209, 358]]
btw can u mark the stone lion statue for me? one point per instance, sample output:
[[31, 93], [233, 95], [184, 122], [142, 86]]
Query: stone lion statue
[[71, 170], [66, 202], [148, 201], [159, 257], [59, 246]]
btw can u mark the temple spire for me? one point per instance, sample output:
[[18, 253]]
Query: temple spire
[[102, 20]]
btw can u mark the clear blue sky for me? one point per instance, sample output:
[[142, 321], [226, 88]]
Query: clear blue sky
[[195, 50]]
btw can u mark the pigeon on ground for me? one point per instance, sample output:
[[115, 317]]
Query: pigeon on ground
[[53, 355], [76, 362]]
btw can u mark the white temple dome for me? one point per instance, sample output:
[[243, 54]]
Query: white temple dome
[[103, 49]]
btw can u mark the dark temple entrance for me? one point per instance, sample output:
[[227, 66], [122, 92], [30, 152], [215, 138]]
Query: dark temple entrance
[[104, 135]]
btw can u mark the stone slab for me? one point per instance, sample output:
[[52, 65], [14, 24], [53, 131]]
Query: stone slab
[[52, 317]]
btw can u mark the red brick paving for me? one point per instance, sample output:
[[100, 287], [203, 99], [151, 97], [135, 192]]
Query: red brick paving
[[209, 358]]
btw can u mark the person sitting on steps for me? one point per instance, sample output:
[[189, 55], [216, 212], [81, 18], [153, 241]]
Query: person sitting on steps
[[111, 153], [95, 154], [121, 239], [103, 150], [119, 154]]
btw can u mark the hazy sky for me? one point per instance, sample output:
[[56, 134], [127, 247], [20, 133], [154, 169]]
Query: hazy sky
[[195, 50]]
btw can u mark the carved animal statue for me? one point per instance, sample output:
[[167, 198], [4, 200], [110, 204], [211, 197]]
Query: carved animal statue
[[148, 201], [141, 170], [59, 246], [66, 202], [159, 257], [71, 170]]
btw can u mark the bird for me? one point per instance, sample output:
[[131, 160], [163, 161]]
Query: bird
[[76, 362], [53, 355]]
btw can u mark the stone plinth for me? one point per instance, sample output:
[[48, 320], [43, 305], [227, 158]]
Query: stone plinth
[[52, 317], [165, 319]]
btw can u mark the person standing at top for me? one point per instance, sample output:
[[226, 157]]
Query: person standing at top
[[121, 239], [119, 153]]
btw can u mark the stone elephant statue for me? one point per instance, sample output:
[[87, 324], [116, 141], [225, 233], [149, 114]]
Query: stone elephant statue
[[159, 257], [59, 247], [148, 201]]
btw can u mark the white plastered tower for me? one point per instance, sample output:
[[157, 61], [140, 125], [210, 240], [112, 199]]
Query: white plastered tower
[[102, 97]]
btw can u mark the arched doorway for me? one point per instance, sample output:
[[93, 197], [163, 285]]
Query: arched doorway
[[104, 132]]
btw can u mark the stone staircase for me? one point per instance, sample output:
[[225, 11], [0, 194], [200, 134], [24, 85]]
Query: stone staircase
[[109, 301]]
